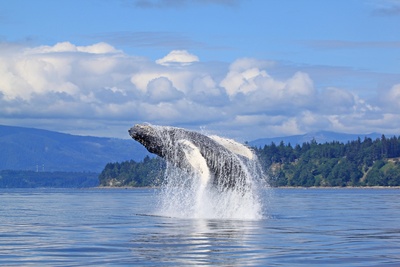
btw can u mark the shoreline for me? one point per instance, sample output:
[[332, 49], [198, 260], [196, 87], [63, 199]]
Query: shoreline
[[125, 187], [270, 187], [338, 187]]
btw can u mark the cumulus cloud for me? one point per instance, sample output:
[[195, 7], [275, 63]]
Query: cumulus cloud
[[99, 48], [242, 82], [394, 95], [336, 99], [245, 76], [178, 57], [60, 68], [204, 90], [100, 88], [162, 90], [391, 99]]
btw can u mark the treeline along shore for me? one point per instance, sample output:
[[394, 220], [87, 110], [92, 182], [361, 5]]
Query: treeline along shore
[[32, 179], [356, 163]]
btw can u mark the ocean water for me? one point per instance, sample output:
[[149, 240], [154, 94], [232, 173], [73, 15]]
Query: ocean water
[[119, 227]]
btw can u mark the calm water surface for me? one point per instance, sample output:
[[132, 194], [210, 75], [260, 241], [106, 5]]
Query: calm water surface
[[103, 227]]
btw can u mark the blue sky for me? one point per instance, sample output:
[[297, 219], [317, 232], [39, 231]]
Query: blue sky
[[242, 69]]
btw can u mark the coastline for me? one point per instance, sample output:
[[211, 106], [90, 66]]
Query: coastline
[[125, 187], [338, 187], [270, 187]]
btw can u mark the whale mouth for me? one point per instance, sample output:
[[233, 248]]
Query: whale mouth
[[147, 136], [139, 130], [132, 132]]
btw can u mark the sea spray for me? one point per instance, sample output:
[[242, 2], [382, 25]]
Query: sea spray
[[183, 196], [193, 194], [206, 176]]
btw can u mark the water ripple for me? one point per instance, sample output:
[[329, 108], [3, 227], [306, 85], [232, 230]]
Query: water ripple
[[305, 229]]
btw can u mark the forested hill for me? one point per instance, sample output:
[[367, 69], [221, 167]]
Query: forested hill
[[364, 162], [357, 163], [319, 136]]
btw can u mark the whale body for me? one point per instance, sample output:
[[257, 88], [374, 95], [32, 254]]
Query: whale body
[[218, 161]]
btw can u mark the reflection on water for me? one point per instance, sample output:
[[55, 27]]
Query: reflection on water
[[199, 242], [111, 228]]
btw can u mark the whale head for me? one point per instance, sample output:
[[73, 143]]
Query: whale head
[[148, 136]]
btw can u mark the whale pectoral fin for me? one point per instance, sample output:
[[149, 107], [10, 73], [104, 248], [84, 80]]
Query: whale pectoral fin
[[234, 146], [196, 160]]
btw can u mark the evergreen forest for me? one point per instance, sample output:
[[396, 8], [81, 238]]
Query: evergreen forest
[[148, 172], [356, 163]]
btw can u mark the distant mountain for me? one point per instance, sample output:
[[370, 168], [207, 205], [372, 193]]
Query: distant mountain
[[41, 150], [34, 149], [320, 137]]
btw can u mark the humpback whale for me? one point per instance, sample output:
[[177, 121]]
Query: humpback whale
[[218, 161]]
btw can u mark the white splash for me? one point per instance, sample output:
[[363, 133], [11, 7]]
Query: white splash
[[192, 194]]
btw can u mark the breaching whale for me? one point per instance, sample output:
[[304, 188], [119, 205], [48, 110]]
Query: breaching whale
[[217, 160]]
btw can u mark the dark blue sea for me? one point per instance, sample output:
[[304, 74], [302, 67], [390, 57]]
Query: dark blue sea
[[117, 227]]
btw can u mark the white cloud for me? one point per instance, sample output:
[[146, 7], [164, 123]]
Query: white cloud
[[337, 99], [60, 68], [242, 82], [391, 100], [244, 76], [178, 57], [99, 48], [300, 85], [162, 90], [69, 87], [205, 91]]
